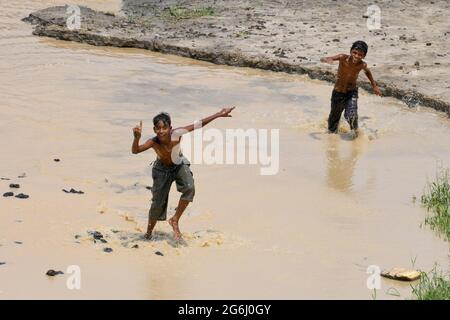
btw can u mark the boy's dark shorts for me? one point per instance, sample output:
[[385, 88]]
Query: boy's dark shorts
[[340, 102], [163, 177]]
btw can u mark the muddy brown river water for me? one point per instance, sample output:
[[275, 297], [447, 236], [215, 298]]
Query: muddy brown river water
[[335, 206]]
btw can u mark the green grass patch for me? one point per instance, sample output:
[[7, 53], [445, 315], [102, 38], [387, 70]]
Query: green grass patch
[[432, 286], [436, 200], [180, 12]]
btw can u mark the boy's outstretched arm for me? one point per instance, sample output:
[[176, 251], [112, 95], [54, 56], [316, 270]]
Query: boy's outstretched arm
[[333, 58], [135, 147], [376, 89], [224, 113]]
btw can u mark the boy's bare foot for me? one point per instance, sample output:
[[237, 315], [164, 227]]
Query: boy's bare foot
[[148, 236], [176, 230]]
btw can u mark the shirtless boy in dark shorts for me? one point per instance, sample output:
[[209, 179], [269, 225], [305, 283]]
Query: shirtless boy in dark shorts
[[345, 93], [169, 166]]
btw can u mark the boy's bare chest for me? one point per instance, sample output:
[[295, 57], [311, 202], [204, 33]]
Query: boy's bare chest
[[165, 150], [348, 69]]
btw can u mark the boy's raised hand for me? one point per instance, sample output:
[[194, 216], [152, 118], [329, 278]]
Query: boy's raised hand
[[137, 131], [225, 112]]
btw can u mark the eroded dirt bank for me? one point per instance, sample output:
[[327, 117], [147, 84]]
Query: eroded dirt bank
[[408, 54]]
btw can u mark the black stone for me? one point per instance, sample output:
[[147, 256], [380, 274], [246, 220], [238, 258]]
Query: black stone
[[103, 240], [52, 273], [159, 253], [72, 190], [8, 194], [18, 242], [2, 263], [136, 246], [14, 185], [22, 196], [108, 250], [56, 160], [97, 235]]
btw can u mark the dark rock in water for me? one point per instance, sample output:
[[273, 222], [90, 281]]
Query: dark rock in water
[[52, 273], [96, 235], [14, 185], [8, 194], [136, 246], [103, 240], [18, 242], [22, 196], [159, 253], [5, 178], [2, 263], [56, 160], [77, 236], [115, 231], [148, 188], [72, 190], [108, 250]]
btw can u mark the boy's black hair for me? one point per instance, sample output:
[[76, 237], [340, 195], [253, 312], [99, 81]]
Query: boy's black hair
[[360, 46], [164, 117]]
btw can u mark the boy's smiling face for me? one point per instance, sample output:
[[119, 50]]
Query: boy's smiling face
[[162, 130], [357, 55]]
